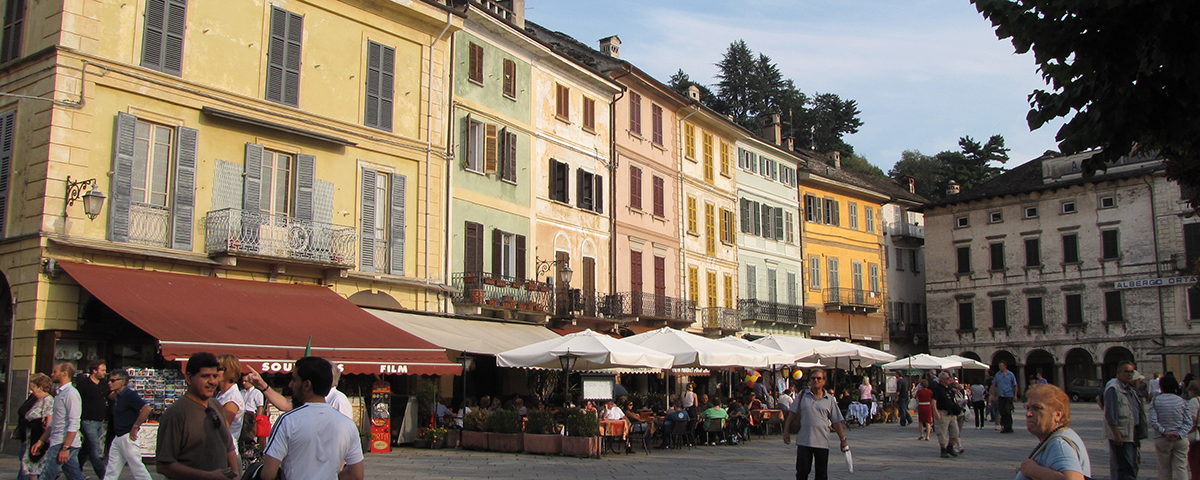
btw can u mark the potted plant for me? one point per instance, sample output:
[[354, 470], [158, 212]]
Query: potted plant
[[507, 301], [475, 427], [506, 435], [489, 280], [531, 285], [541, 436], [475, 295], [583, 434], [491, 302], [471, 279], [434, 437]]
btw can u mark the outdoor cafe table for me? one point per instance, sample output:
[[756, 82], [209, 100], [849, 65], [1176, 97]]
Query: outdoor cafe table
[[613, 432], [764, 418]]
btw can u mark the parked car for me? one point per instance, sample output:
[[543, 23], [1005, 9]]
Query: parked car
[[1085, 389]]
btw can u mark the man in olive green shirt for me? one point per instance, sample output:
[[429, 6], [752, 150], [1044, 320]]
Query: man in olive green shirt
[[193, 441]]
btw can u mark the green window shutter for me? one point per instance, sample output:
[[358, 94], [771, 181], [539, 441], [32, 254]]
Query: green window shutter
[[778, 223], [122, 190], [283, 57], [399, 223], [306, 166], [366, 262], [183, 207], [7, 133]]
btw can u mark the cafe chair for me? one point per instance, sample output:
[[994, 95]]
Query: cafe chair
[[680, 435], [716, 425]]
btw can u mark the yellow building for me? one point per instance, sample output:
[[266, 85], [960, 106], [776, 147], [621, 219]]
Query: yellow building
[[843, 251], [288, 143]]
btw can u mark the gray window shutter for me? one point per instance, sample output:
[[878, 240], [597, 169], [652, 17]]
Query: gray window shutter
[[366, 261], [7, 132], [183, 207], [283, 57], [381, 61], [162, 40], [152, 36], [767, 230], [14, 20], [398, 223], [757, 219], [745, 216], [510, 156], [252, 184], [306, 166], [779, 223], [122, 190], [598, 203]]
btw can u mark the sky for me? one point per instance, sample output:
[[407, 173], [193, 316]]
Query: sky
[[924, 72]]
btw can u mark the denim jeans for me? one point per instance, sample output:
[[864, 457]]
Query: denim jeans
[[1123, 460], [70, 469], [905, 417], [93, 445]]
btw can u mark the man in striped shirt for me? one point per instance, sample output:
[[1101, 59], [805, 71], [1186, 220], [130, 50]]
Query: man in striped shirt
[[313, 441]]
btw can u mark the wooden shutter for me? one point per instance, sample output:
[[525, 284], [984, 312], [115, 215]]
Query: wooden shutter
[[520, 261], [589, 114], [582, 194], [475, 65], [491, 149], [183, 207], [367, 233], [635, 113], [589, 286], [755, 219], [635, 188], [563, 102], [778, 223], [635, 274], [598, 198], [398, 224], [473, 246], [381, 68], [509, 166], [497, 252], [283, 57], [656, 124], [510, 78], [252, 186], [660, 276], [122, 190], [768, 230], [746, 226], [562, 290], [724, 220], [305, 177], [659, 196], [14, 20], [7, 135], [152, 35]]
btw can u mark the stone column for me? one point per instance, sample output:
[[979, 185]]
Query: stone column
[[1059, 379], [1019, 371], [1100, 371]]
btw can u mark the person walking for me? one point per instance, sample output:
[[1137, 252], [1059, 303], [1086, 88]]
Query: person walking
[[978, 405], [1125, 419], [37, 421], [1169, 422], [313, 441], [1006, 388], [945, 416], [902, 391], [925, 410], [1193, 412], [129, 413], [1060, 452], [865, 395], [814, 413], [193, 441], [233, 403], [63, 435], [93, 392]]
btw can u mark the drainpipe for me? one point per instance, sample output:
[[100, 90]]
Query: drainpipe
[[1162, 322], [681, 213], [612, 182], [429, 154], [447, 300]]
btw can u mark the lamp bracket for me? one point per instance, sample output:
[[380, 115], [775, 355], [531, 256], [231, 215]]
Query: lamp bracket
[[75, 189]]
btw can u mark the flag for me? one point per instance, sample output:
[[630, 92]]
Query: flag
[[308, 348]]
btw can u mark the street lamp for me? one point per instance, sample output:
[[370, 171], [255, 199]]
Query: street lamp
[[466, 361], [93, 200], [568, 363]]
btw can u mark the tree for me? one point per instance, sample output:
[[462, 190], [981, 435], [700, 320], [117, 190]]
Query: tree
[[736, 88], [822, 125], [860, 164], [680, 82], [970, 167], [1127, 70], [926, 170]]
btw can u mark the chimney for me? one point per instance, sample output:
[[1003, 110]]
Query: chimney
[[790, 143], [837, 158], [611, 46], [517, 7], [953, 188], [912, 184], [773, 132], [694, 92]]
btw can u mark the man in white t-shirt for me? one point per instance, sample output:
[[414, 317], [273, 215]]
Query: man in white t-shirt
[[253, 397], [313, 441], [337, 399], [334, 398]]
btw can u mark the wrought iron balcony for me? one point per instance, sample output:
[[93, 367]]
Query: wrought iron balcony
[[645, 305], [234, 231], [901, 231], [501, 292], [905, 329], [753, 310], [852, 300], [150, 224], [725, 319]]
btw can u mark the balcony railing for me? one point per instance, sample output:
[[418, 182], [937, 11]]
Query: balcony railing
[[764, 311], [498, 291], [150, 225], [234, 231], [906, 229], [726, 319], [852, 300], [905, 329], [645, 305]]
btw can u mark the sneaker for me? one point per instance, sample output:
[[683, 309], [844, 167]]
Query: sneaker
[[945, 453], [959, 449]]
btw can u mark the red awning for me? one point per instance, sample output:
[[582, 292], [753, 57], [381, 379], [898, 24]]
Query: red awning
[[266, 325]]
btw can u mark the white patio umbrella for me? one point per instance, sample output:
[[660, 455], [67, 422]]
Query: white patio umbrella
[[801, 347], [922, 361], [841, 358], [774, 355], [691, 350], [594, 350], [968, 363]]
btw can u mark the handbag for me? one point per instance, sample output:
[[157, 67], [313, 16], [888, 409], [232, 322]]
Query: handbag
[[912, 404], [1042, 446]]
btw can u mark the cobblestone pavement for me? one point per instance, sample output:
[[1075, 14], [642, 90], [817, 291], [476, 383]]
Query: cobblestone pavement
[[881, 452]]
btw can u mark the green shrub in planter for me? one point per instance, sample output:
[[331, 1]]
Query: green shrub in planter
[[541, 422], [505, 421], [479, 420], [581, 424]]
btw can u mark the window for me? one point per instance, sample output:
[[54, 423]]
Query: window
[[381, 69], [1068, 207], [635, 273], [1191, 245], [912, 255], [635, 188], [276, 187], [1070, 248], [1074, 309], [475, 64], [510, 79], [814, 273], [162, 37], [590, 191], [833, 273], [562, 102], [476, 143], [151, 163], [635, 113], [1108, 202], [147, 158], [660, 276], [712, 289], [589, 114], [899, 259], [997, 252], [812, 209], [751, 282], [689, 141], [508, 254], [792, 295], [7, 135], [283, 57], [694, 284], [1031, 212], [832, 216], [962, 222], [790, 227], [772, 286], [777, 223], [1036, 314], [727, 226], [1000, 314], [869, 215], [856, 277], [692, 226], [964, 260], [1110, 247], [659, 196], [1113, 310], [1033, 252], [853, 215], [725, 153], [383, 226], [764, 212], [874, 273], [560, 187], [1193, 294], [472, 243], [656, 125], [966, 316], [710, 230], [728, 291], [708, 157]]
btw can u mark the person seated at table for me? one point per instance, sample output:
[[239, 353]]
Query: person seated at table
[[495, 405], [467, 405], [677, 415], [637, 425], [484, 402], [739, 418], [590, 407], [704, 402], [845, 400], [444, 415], [754, 402], [612, 413], [715, 412]]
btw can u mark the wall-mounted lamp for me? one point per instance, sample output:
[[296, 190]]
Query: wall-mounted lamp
[[93, 200]]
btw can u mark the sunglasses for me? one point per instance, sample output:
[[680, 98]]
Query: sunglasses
[[212, 415], [816, 378]]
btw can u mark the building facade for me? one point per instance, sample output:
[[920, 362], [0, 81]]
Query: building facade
[[904, 261]]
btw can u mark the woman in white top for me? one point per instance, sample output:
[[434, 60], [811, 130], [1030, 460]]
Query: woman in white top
[[231, 398], [1169, 424]]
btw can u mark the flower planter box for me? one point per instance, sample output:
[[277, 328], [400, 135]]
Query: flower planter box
[[506, 442], [474, 440], [585, 447], [491, 302], [475, 296], [489, 280], [531, 286], [453, 437], [543, 444]]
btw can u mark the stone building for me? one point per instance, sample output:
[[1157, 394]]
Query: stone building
[[1063, 275]]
